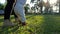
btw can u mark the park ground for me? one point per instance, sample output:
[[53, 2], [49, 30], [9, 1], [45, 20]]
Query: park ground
[[36, 24]]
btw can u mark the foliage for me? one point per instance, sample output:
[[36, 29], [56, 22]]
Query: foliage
[[1, 6], [26, 8]]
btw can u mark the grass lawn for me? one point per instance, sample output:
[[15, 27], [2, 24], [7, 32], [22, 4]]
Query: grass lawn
[[36, 24]]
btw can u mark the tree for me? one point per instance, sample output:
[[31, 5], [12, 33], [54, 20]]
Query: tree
[[1, 6], [26, 8], [59, 6], [40, 4], [32, 1], [47, 6]]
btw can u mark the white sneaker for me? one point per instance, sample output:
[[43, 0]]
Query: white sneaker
[[8, 23]]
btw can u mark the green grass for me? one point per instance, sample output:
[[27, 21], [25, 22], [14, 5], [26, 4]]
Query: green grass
[[36, 24]]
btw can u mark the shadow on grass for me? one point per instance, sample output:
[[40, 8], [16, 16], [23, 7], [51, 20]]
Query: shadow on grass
[[1, 20], [50, 25], [8, 30]]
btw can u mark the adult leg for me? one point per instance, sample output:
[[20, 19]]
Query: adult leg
[[21, 14], [7, 12], [15, 16]]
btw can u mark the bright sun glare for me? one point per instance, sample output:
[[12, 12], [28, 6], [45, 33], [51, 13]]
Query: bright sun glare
[[51, 1], [2, 1], [28, 1]]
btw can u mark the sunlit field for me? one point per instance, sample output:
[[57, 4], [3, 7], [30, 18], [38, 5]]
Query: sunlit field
[[36, 24]]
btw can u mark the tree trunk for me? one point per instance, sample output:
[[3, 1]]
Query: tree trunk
[[41, 9], [59, 6]]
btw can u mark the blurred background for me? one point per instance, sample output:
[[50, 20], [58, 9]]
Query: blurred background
[[37, 6]]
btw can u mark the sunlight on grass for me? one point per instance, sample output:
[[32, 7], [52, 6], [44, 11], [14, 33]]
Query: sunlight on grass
[[36, 24], [33, 25]]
